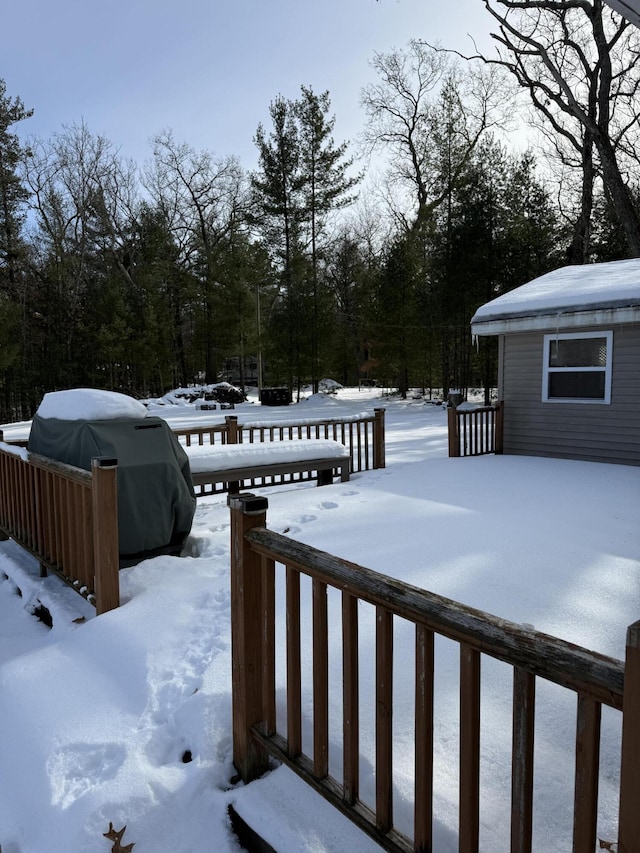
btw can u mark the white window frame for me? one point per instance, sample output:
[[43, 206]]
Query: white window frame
[[546, 370]]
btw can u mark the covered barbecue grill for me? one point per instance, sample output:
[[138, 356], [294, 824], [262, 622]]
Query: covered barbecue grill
[[156, 501]]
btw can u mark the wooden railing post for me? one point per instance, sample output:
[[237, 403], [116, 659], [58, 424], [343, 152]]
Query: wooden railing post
[[233, 432], [104, 500], [629, 821], [378, 439], [498, 439], [454, 436], [247, 512]]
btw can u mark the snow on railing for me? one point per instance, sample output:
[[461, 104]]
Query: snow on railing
[[362, 433]]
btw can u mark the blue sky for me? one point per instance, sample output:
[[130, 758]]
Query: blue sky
[[208, 69]]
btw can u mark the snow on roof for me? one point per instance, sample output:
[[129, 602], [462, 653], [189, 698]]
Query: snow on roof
[[596, 291], [629, 8], [89, 404]]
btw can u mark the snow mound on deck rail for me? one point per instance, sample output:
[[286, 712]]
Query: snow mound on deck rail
[[89, 404], [224, 457]]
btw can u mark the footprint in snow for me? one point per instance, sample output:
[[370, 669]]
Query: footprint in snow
[[329, 505], [78, 768]]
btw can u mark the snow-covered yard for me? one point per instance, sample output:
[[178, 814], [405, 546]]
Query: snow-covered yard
[[99, 716]]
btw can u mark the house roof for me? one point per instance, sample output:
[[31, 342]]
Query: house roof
[[629, 8], [569, 297]]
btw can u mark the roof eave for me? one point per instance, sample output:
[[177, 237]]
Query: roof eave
[[558, 320], [629, 8]]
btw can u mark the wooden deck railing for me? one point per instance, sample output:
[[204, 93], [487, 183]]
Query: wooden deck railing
[[66, 517], [596, 680], [364, 435], [475, 432]]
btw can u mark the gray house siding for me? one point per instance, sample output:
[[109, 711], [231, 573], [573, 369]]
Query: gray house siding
[[590, 431]]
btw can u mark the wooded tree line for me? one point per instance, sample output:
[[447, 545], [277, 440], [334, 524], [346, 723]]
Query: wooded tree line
[[141, 280]]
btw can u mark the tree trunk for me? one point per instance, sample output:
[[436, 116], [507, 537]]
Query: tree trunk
[[620, 195], [578, 250]]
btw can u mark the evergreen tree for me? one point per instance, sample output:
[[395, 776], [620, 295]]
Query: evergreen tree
[[302, 179], [13, 196], [326, 188], [396, 310], [499, 232], [350, 287], [279, 215]]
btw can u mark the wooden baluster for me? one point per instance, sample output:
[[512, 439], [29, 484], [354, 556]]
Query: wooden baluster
[[4, 493], [87, 533], [350, 713], [522, 760], [379, 439], [384, 708], [294, 680], [320, 681], [585, 811], [423, 808], [269, 646], [469, 749]]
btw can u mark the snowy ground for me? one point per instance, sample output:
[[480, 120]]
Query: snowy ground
[[97, 716]]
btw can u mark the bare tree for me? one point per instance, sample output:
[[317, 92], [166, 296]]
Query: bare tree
[[203, 199], [84, 198], [420, 99], [580, 64]]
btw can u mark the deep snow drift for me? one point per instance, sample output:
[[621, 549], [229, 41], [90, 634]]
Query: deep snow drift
[[100, 716]]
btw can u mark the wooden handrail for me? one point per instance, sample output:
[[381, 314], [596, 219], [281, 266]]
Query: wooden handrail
[[596, 679], [564, 663]]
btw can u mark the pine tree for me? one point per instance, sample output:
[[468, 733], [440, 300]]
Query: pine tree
[[326, 188], [278, 212], [13, 196]]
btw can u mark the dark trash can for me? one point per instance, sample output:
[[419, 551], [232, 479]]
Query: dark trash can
[[156, 500], [275, 397]]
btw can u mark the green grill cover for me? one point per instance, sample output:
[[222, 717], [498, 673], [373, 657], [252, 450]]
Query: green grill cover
[[156, 501]]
